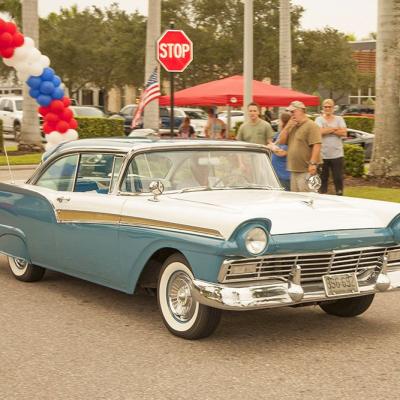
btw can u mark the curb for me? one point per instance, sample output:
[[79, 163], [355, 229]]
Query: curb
[[19, 167]]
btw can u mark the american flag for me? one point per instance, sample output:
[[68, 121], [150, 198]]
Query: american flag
[[150, 92]]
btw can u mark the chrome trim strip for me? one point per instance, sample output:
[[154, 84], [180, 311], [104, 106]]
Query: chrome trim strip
[[276, 293], [90, 217]]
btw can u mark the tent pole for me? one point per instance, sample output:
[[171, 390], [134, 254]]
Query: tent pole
[[228, 124]]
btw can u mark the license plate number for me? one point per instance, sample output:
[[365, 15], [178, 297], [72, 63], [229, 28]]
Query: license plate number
[[340, 284], [394, 255]]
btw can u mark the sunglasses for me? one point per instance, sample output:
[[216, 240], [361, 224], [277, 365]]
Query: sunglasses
[[327, 106]]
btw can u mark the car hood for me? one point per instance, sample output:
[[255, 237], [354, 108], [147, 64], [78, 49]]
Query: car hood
[[224, 210]]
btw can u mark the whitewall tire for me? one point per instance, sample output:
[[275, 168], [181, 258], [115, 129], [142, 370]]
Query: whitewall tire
[[181, 313], [24, 271]]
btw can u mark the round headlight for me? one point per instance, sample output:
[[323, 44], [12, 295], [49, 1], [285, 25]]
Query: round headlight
[[256, 240]]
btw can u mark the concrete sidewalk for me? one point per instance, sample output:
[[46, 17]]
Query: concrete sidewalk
[[19, 172]]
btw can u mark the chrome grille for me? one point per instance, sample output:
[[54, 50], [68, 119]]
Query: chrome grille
[[313, 265]]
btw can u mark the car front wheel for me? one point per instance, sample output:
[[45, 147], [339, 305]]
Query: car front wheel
[[24, 271], [17, 131], [181, 313], [350, 307]]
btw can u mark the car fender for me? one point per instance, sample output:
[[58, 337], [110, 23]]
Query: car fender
[[13, 242]]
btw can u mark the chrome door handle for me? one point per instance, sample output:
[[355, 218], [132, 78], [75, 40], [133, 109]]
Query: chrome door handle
[[62, 198]]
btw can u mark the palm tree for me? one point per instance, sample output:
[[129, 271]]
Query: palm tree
[[13, 9], [386, 151], [285, 45], [30, 138], [151, 116]]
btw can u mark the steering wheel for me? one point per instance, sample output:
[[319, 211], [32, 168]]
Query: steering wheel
[[226, 178]]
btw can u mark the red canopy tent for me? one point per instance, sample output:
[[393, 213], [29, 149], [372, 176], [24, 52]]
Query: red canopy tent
[[229, 92]]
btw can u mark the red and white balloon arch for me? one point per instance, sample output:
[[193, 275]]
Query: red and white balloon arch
[[33, 68]]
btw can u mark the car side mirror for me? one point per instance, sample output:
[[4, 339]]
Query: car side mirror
[[157, 188]]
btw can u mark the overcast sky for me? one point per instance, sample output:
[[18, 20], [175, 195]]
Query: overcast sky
[[349, 16]]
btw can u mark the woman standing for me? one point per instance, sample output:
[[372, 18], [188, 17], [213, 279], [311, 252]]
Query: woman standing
[[333, 129], [279, 153], [186, 130]]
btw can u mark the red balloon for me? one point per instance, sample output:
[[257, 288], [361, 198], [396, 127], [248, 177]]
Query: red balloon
[[7, 52], [73, 124], [43, 110], [52, 118], [67, 114], [57, 106], [11, 28], [18, 39], [2, 25], [66, 100], [48, 128], [62, 126], [6, 40]]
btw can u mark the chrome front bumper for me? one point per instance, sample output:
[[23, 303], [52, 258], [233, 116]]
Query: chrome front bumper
[[282, 293]]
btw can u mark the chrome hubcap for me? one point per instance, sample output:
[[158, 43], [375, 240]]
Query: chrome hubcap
[[20, 263], [179, 297]]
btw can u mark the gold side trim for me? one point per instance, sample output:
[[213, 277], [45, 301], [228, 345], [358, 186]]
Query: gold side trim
[[64, 216]]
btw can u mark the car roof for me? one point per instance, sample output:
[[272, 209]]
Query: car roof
[[125, 144]]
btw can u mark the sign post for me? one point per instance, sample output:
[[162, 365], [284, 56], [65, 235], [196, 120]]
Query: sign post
[[174, 53]]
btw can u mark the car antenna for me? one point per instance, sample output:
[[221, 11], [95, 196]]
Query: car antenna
[[9, 166]]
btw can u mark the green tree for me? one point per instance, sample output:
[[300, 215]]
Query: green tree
[[323, 59]]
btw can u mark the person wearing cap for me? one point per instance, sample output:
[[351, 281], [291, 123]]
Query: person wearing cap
[[215, 128], [333, 130], [303, 137], [255, 130]]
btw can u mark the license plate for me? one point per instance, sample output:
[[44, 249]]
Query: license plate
[[340, 284], [393, 255]]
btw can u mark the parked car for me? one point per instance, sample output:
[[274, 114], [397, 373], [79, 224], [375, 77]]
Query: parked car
[[359, 110], [11, 114], [129, 111], [205, 223], [236, 116], [87, 111], [361, 138]]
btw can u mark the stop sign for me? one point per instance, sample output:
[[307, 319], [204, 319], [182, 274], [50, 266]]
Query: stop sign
[[174, 50]]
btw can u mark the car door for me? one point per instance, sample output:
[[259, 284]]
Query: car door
[[88, 215], [3, 113], [8, 115]]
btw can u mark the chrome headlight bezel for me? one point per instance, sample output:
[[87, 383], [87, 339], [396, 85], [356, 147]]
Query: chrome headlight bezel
[[255, 240]]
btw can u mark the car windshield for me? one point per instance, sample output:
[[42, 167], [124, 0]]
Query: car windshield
[[18, 105], [196, 114], [194, 170], [88, 112]]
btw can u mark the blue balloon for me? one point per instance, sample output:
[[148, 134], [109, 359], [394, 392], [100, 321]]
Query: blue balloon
[[44, 100], [58, 93], [56, 81], [34, 82], [47, 87], [47, 74], [34, 93]]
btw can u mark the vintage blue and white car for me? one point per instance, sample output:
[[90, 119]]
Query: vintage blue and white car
[[204, 223]]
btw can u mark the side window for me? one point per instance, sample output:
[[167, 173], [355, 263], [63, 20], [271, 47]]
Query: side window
[[94, 173], [116, 170], [2, 104], [144, 169], [8, 106], [60, 175]]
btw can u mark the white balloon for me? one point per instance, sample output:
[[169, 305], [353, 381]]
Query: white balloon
[[44, 61], [22, 76], [36, 69], [48, 146], [9, 61], [33, 55], [29, 42], [70, 134], [21, 53], [54, 137]]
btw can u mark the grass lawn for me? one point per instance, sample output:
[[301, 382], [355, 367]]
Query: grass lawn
[[24, 159], [374, 193]]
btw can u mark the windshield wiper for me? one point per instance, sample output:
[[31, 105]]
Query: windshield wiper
[[255, 187], [195, 189]]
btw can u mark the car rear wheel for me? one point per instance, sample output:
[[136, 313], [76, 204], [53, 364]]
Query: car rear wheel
[[181, 313], [24, 271], [350, 307]]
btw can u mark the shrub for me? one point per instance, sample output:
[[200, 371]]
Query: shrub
[[90, 127], [360, 123], [353, 160]]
